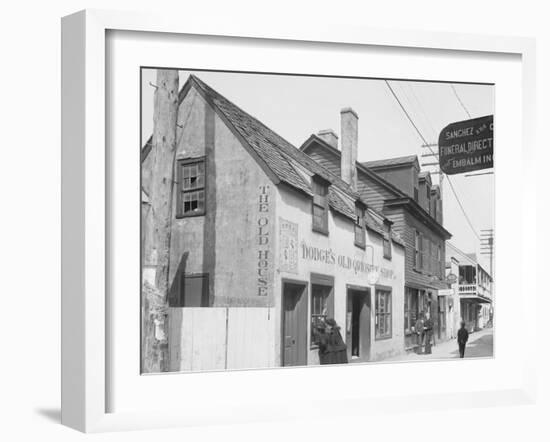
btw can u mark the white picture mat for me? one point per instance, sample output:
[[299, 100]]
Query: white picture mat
[[217, 394]]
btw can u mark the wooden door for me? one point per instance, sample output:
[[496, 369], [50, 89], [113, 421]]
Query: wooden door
[[294, 327]]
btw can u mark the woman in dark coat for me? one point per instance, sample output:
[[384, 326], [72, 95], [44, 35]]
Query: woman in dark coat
[[332, 348]]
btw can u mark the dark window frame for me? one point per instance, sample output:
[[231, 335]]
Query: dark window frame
[[382, 311], [327, 283], [360, 212], [410, 310], [320, 188], [179, 300], [417, 250], [387, 242], [183, 163]]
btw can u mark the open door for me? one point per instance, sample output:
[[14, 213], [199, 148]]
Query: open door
[[294, 326], [358, 324]]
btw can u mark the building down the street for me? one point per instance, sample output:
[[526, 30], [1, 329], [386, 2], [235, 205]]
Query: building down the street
[[406, 195], [473, 289]]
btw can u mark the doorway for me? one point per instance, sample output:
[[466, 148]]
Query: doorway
[[294, 324], [358, 314], [442, 311]]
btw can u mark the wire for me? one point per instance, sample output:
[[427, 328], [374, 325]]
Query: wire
[[407, 114], [415, 97], [462, 208], [429, 147], [460, 101]]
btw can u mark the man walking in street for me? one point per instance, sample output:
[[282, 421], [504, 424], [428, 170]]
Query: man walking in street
[[462, 338]]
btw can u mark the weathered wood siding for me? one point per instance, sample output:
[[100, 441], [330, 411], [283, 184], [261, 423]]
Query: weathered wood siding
[[325, 158], [219, 338], [370, 190], [412, 276], [405, 224]]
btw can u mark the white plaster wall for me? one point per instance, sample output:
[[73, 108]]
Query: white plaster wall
[[296, 207]]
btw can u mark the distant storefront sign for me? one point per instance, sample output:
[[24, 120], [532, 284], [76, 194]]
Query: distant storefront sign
[[466, 146], [446, 292], [451, 278]]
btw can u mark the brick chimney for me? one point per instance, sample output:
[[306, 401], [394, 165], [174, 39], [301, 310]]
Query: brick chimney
[[349, 134], [329, 137]]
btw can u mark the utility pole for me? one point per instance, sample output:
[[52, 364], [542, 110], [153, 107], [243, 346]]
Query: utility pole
[[487, 246], [155, 354]]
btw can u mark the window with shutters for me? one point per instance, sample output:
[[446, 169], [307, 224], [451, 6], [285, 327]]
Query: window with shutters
[[411, 308], [386, 241], [440, 262], [360, 236], [422, 263], [429, 260], [383, 318], [320, 205], [416, 260], [191, 188]]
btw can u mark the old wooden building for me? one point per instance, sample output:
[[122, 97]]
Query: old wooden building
[[397, 188], [265, 242], [473, 289]]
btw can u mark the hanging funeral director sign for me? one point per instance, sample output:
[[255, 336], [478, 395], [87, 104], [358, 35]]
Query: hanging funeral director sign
[[466, 146]]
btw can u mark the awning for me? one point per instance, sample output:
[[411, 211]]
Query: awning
[[475, 298]]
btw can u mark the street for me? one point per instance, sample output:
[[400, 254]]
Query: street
[[480, 344]]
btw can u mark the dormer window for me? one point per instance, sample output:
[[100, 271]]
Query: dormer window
[[320, 205], [360, 236], [386, 241]]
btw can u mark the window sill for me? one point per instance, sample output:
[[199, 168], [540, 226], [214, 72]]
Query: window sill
[[382, 338], [190, 215], [319, 230], [360, 245]]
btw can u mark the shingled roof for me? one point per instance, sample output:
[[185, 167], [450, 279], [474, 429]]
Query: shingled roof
[[281, 159], [387, 162], [277, 152]]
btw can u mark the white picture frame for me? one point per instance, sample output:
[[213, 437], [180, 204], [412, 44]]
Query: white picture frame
[[85, 199]]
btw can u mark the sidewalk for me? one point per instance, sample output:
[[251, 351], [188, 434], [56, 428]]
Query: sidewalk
[[479, 345]]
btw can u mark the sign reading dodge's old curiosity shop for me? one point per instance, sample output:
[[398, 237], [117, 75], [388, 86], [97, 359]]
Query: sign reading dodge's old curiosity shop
[[466, 146]]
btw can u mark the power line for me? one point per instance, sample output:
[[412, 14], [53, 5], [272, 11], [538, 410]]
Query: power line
[[429, 147], [415, 97], [406, 113], [462, 208], [460, 101]]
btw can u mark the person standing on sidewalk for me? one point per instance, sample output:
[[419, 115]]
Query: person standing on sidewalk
[[428, 329], [419, 329], [462, 338]]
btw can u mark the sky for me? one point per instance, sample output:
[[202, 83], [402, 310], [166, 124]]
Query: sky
[[297, 106]]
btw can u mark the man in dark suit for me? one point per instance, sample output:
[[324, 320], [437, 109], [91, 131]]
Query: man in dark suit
[[462, 338]]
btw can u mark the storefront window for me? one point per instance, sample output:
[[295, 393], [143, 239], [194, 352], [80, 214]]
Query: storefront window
[[319, 309], [411, 309], [383, 320]]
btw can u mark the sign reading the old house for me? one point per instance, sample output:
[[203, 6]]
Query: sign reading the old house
[[288, 235], [466, 146], [263, 240]]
